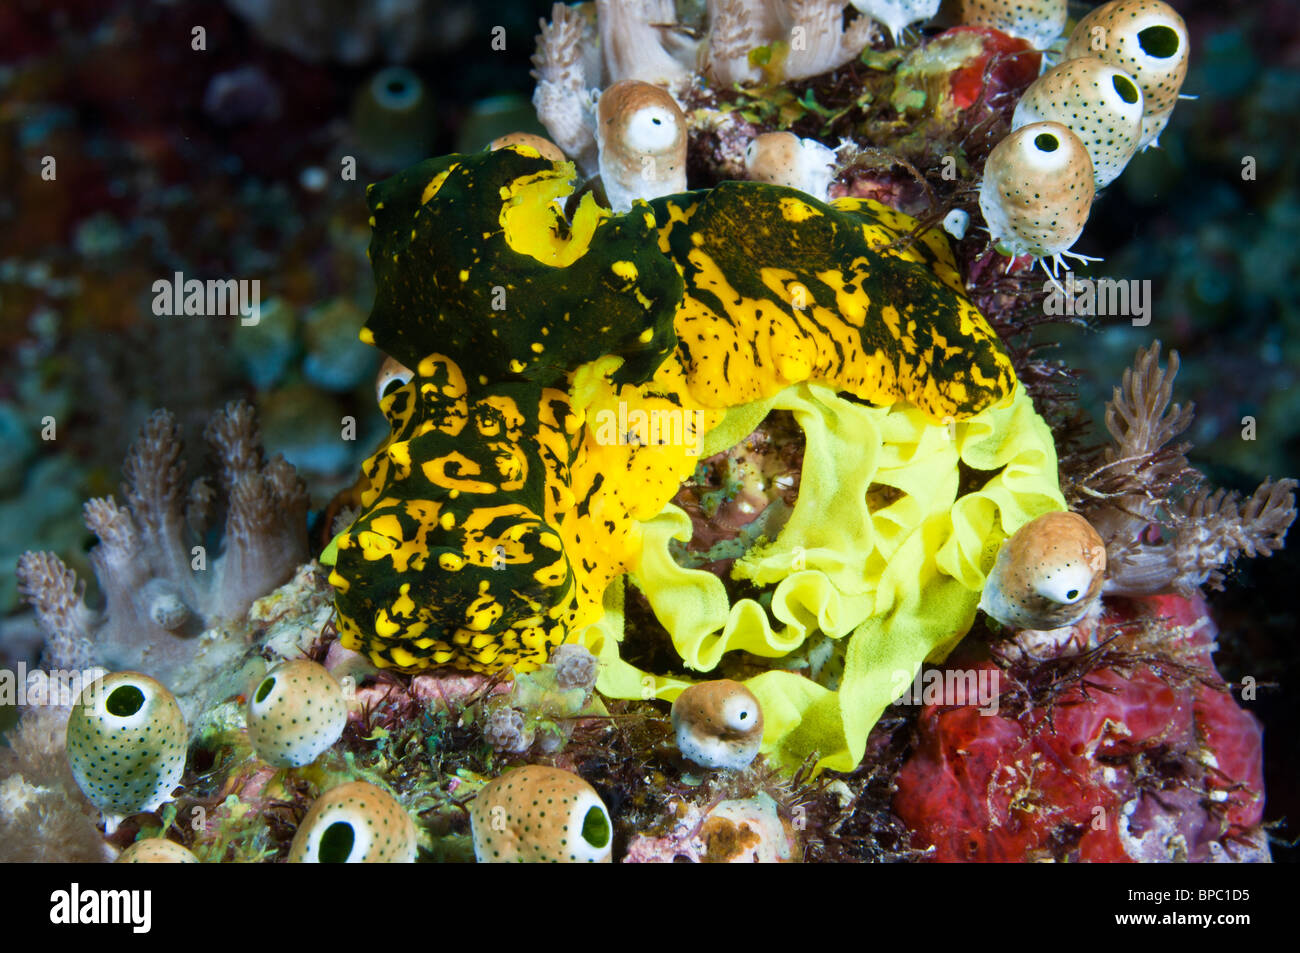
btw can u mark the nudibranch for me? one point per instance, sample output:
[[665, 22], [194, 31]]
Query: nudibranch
[[473, 261], [512, 489], [781, 288]]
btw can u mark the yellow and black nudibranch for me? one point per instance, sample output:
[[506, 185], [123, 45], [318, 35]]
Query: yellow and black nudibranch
[[497, 513]]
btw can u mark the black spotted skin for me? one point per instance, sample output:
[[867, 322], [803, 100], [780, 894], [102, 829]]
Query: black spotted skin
[[495, 514], [781, 288], [473, 260]]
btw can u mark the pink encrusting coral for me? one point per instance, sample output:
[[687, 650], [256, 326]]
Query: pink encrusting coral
[[1113, 737], [1146, 757]]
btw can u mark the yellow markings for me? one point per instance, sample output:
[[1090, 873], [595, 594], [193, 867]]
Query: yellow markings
[[482, 379], [403, 658], [388, 526], [372, 221], [517, 367], [482, 613], [447, 521], [384, 625], [400, 453], [367, 336], [532, 222], [450, 562], [379, 206], [435, 471], [852, 304], [464, 275], [429, 365], [537, 347], [797, 210], [796, 364], [404, 605], [625, 269], [889, 314], [434, 185], [551, 576], [509, 410], [646, 336]]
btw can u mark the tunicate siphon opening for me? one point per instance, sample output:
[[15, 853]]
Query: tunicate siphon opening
[[1126, 88], [1046, 142], [336, 843], [1072, 595], [1159, 41], [595, 828], [396, 88], [125, 701], [264, 689]]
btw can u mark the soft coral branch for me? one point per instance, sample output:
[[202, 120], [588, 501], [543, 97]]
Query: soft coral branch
[[57, 596], [160, 589], [1164, 530], [565, 77]]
